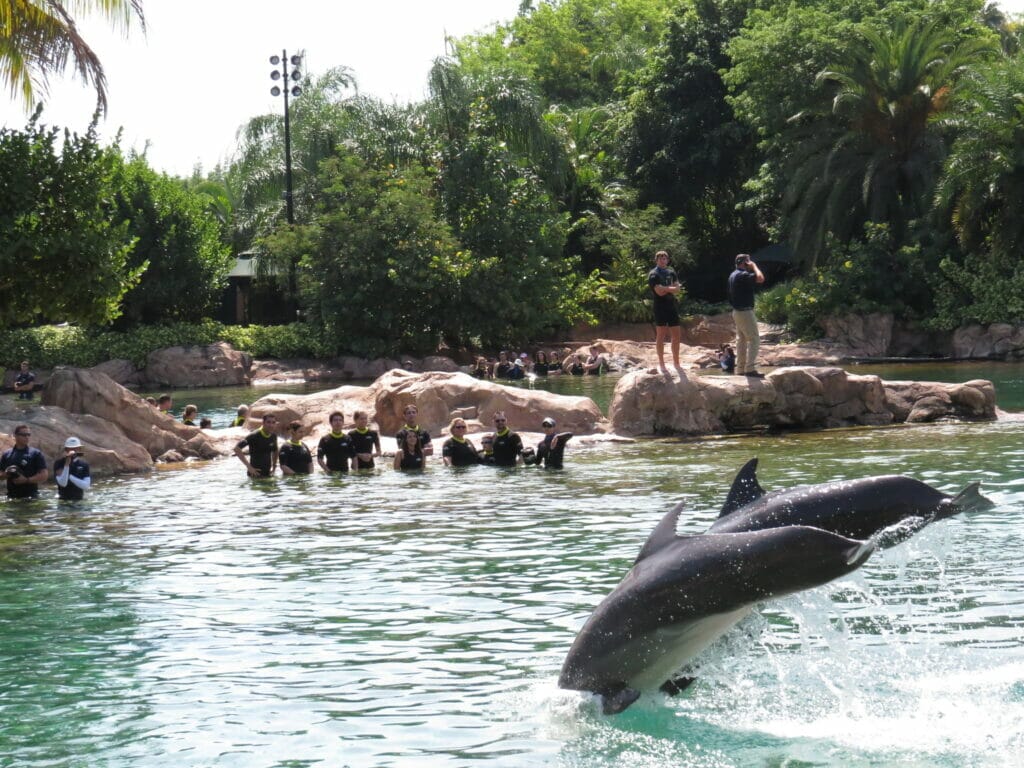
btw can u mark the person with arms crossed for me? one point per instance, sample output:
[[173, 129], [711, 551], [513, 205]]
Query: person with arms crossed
[[294, 457], [365, 441], [664, 284]]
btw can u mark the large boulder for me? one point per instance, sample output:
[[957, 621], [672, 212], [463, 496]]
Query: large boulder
[[650, 402], [90, 392], [439, 397], [105, 446], [863, 335], [120, 370], [209, 365]]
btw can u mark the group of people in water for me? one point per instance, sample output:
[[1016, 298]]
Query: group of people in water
[[509, 366], [358, 448]]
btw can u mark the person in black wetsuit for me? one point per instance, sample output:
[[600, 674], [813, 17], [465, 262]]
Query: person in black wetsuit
[[540, 363], [410, 412], [335, 450], [262, 445], [294, 457], [410, 455], [551, 450], [23, 466], [458, 450], [508, 445], [188, 418], [575, 366], [71, 472], [365, 441], [240, 416]]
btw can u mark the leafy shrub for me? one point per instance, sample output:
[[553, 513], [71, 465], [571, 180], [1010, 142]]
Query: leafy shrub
[[50, 346]]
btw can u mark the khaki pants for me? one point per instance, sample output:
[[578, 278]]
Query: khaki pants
[[748, 341]]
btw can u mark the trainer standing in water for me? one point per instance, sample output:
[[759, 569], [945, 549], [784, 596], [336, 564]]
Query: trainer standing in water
[[741, 296], [664, 285]]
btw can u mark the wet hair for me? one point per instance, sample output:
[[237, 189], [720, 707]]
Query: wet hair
[[164, 399], [295, 424], [151, 400], [242, 409], [418, 448], [205, 423], [190, 410], [339, 414], [356, 415]]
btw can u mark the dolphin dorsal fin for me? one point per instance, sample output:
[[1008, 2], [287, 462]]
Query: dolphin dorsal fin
[[745, 489], [664, 533]]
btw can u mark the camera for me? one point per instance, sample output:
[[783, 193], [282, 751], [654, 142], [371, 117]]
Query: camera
[[13, 471]]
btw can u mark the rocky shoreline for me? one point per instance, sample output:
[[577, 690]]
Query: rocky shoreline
[[807, 390]]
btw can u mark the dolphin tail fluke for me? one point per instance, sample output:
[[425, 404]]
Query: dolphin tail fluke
[[968, 500], [618, 701]]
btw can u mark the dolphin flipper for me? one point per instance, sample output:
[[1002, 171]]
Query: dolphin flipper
[[745, 489], [664, 533], [615, 702]]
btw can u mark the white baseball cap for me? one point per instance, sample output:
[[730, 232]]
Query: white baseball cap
[[72, 442]]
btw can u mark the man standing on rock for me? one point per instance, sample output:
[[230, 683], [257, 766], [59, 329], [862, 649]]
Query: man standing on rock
[[741, 296], [664, 285], [262, 445], [25, 382], [23, 466]]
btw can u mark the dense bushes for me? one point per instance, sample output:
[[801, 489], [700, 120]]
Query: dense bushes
[[50, 346]]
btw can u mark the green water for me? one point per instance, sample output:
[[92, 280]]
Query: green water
[[194, 618]]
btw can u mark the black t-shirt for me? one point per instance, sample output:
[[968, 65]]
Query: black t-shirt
[[337, 450], [296, 457], [79, 469], [29, 461], [664, 277], [364, 442], [741, 289], [507, 446], [460, 453], [261, 449]]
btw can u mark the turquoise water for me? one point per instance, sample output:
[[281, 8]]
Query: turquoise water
[[194, 618]]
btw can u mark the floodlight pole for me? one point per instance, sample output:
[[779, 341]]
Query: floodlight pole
[[289, 208]]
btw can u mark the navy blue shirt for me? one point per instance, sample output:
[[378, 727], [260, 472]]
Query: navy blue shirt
[[741, 289], [29, 461]]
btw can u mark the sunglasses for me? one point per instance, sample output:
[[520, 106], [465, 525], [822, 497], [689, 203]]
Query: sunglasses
[[459, 426], [499, 421]]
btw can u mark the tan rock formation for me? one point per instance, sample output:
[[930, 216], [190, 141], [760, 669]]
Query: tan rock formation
[[650, 402], [89, 392], [210, 365]]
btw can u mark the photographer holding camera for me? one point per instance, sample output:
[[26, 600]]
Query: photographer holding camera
[[741, 297], [23, 466], [71, 472]]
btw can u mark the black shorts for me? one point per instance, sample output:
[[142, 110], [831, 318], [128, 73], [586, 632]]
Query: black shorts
[[666, 314]]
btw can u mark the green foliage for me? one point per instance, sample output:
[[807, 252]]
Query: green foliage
[[178, 247], [861, 277], [577, 52], [63, 251], [620, 293], [978, 288], [379, 273], [50, 346]]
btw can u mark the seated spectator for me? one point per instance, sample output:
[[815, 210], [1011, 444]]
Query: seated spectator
[[503, 366], [540, 363], [727, 358], [595, 365], [554, 364], [574, 365], [241, 415], [517, 371], [188, 418], [481, 370]]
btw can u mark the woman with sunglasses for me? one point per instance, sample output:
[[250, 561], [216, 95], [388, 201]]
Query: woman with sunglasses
[[458, 450]]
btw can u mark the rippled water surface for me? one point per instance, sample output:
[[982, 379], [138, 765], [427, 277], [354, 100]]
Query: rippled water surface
[[195, 618]]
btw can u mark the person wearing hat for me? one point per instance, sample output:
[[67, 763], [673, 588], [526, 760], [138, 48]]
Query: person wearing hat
[[71, 472], [551, 450], [23, 466], [518, 370], [741, 296]]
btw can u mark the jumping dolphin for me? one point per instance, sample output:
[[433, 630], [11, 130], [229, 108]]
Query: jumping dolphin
[[683, 592]]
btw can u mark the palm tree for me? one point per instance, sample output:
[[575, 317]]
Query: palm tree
[[876, 154], [39, 38], [982, 187]]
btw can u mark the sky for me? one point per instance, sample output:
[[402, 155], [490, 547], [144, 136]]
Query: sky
[[202, 68], [181, 91]]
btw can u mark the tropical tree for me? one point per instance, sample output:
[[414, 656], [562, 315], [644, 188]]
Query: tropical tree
[[40, 38], [877, 152]]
